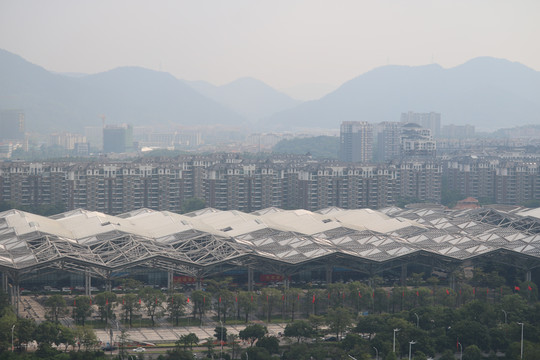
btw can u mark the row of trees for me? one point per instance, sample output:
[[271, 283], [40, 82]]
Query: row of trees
[[429, 331], [269, 303]]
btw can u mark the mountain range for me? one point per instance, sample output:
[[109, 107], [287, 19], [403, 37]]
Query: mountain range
[[486, 92]]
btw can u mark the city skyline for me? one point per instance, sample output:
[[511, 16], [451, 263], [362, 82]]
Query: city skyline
[[285, 44]]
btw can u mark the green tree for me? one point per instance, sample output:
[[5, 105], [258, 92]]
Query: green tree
[[200, 303], [220, 333], [246, 303], [130, 304], [338, 320], [25, 329], [187, 340], [252, 333], [82, 309], [270, 343], [209, 347], [176, 305], [65, 336], [299, 329], [106, 302], [152, 301], [233, 343], [86, 337], [257, 353], [472, 352], [293, 301], [56, 307], [271, 297], [46, 333]]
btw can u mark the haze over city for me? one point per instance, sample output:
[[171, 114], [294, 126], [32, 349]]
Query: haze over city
[[292, 179], [304, 48]]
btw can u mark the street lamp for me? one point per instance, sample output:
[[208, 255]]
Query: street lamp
[[505, 315], [417, 319], [221, 331], [376, 353], [521, 339], [394, 343], [13, 328], [411, 343], [461, 353]]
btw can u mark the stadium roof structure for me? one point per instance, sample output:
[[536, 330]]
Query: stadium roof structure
[[211, 241]]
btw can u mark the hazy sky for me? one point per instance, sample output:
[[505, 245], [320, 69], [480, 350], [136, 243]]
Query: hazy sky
[[286, 44]]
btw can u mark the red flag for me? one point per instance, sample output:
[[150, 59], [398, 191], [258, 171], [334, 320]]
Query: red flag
[[447, 292], [459, 291], [156, 301], [236, 298], [487, 290], [107, 302], [530, 288], [298, 296], [516, 288], [139, 301], [474, 291], [282, 297], [220, 299], [188, 299], [403, 294], [417, 294], [359, 295], [373, 295], [313, 301]]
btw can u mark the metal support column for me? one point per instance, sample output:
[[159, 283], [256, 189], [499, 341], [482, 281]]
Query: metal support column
[[170, 281], [87, 284], [329, 269], [108, 282], [250, 279], [5, 282], [528, 276], [403, 278], [453, 281], [17, 295]]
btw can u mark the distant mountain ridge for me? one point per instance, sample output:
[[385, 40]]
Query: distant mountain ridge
[[486, 92], [54, 102], [249, 97]]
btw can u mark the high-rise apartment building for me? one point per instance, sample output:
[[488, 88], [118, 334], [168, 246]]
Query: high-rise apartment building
[[388, 141], [117, 138], [417, 141], [356, 142], [431, 120], [224, 183], [12, 125]]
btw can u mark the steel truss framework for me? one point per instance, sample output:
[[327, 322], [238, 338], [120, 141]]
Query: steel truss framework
[[199, 244]]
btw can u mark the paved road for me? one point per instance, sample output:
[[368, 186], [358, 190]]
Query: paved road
[[171, 334]]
